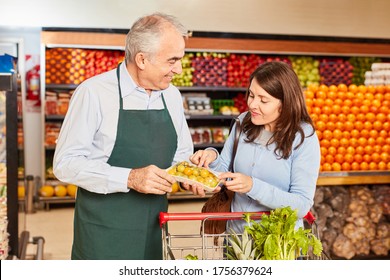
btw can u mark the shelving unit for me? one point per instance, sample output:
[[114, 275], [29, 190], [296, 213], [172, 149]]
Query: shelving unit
[[225, 43]]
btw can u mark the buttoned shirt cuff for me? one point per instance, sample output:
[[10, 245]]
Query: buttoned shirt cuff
[[118, 179]]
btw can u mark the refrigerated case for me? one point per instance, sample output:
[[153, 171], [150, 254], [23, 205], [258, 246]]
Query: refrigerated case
[[9, 165]]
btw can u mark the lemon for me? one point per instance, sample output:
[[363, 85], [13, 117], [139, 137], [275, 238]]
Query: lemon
[[46, 191]]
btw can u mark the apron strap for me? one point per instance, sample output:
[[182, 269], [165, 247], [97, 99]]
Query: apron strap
[[119, 86]]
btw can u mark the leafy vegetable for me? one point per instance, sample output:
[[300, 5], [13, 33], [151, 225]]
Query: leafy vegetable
[[275, 237], [191, 257]]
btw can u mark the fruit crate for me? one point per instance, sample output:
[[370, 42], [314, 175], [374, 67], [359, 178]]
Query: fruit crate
[[218, 103]]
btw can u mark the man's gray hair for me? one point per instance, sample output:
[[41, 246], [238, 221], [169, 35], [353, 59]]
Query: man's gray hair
[[145, 34]]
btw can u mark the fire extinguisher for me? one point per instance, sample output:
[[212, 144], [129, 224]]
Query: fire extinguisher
[[33, 81]]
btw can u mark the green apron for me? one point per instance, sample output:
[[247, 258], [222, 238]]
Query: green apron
[[125, 225]]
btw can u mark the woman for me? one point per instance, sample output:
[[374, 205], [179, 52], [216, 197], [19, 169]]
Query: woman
[[278, 155]]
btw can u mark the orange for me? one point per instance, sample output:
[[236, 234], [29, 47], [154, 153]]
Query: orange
[[384, 156], [349, 158], [345, 166], [384, 109], [330, 126], [348, 125], [355, 166], [353, 88], [362, 88], [339, 125], [355, 132], [364, 166], [355, 110], [320, 125], [326, 167], [324, 151], [336, 166], [371, 89], [381, 141], [46, 191], [60, 191], [381, 165], [21, 191], [344, 142], [318, 102], [339, 158], [325, 143], [314, 117], [353, 142], [71, 190], [359, 150], [332, 94], [321, 95], [377, 148], [367, 125], [358, 158], [309, 94], [338, 101], [351, 117], [361, 117], [323, 87], [377, 125], [327, 134], [386, 148], [337, 133], [345, 109], [326, 109], [366, 158], [336, 109], [332, 88], [373, 133], [341, 150], [331, 151], [371, 141], [372, 166], [342, 88], [380, 117], [323, 117], [375, 157], [364, 109], [334, 143], [346, 134], [329, 159], [342, 117], [333, 118]]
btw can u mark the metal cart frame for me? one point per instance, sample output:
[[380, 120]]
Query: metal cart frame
[[203, 245]]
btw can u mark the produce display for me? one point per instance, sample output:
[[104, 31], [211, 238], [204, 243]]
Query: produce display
[[306, 67], [335, 71], [72, 65], [58, 191], [353, 126], [360, 66], [185, 78], [185, 172], [353, 220], [210, 69]]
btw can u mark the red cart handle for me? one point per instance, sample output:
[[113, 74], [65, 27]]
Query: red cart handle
[[165, 217]]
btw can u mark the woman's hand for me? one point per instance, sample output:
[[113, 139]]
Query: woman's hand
[[238, 182], [203, 158]]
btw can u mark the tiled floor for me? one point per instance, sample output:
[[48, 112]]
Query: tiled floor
[[56, 227]]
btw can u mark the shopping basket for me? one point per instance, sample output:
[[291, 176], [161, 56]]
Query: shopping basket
[[210, 246]]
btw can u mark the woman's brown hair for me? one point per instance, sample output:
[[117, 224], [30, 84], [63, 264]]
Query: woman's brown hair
[[279, 80]]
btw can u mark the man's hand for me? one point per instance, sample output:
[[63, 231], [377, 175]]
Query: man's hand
[[150, 179]]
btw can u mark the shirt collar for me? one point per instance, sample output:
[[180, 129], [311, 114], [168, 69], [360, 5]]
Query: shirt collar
[[128, 85]]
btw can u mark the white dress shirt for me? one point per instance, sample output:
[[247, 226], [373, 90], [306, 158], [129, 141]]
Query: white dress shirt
[[89, 129]]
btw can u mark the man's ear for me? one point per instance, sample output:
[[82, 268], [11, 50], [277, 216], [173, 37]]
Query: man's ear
[[140, 60]]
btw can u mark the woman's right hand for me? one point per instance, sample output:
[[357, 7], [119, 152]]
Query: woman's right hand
[[203, 158]]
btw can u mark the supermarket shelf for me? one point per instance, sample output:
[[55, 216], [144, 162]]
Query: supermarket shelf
[[353, 178], [210, 117]]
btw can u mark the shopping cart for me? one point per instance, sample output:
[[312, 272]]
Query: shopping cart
[[205, 246]]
